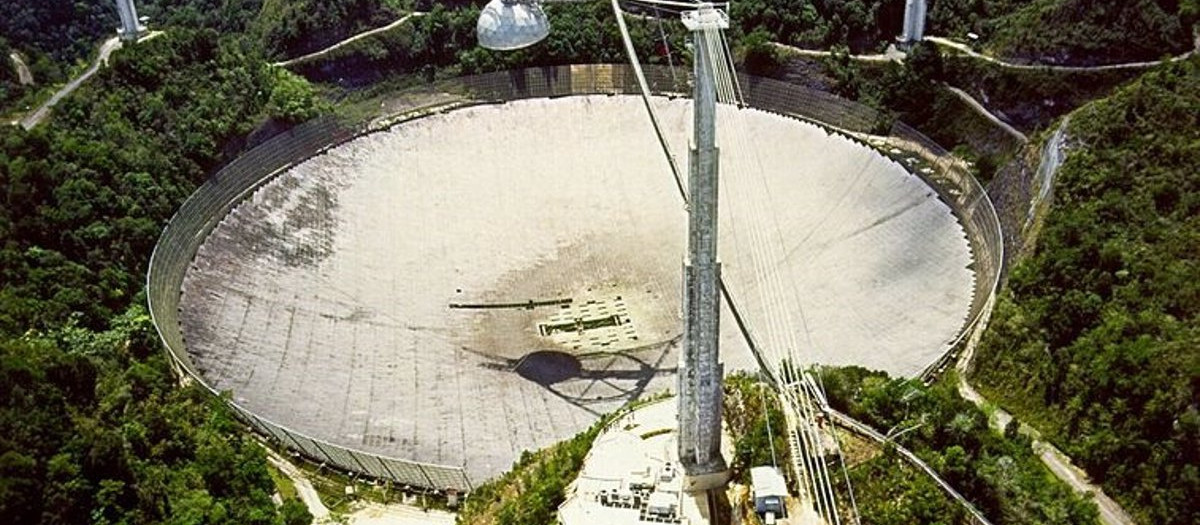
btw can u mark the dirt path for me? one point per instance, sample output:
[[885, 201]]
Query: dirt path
[[359, 36], [39, 114], [304, 487], [1059, 464], [979, 108], [892, 55], [965, 49]]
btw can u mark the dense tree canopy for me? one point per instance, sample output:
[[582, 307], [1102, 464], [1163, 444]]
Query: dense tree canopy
[[890, 491], [93, 427], [1094, 31], [94, 430], [85, 197], [1097, 339], [998, 473], [290, 28], [442, 43]]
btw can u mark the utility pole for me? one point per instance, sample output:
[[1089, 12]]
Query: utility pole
[[700, 370]]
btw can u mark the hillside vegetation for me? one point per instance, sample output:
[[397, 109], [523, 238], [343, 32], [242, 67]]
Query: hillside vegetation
[[57, 36], [888, 490], [85, 197], [1097, 341], [1032, 99], [998, 473], [93, 428], [1085, 32], [1077, 32]]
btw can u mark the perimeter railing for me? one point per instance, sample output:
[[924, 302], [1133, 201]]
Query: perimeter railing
[[206, 208]]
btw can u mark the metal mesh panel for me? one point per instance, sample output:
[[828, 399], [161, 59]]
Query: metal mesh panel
[[339, 456], [195, 219], [251, 420], [971, 203], [281, 436], [445, 476], [307, 446], [373, 465], [407, 472]]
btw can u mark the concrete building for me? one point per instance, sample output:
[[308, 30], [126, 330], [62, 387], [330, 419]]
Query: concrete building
[[769, 490], [631, 476]]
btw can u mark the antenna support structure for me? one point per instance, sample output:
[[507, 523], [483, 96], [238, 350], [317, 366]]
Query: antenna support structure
[[700, 369], [131, 26]]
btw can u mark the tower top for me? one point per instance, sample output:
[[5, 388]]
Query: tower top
[[706, 17]]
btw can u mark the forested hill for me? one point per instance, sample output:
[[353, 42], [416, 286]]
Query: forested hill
[[1076, 32], [57, 36], [1097, 340], [93, 428]]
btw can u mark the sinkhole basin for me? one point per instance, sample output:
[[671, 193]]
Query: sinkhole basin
[[464, 286]]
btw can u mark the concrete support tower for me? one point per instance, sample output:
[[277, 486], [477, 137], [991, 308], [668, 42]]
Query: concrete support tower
[[914, 22], [131, 28], [700, 370]]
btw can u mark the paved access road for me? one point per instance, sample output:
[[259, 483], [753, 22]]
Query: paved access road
[[39, 114], [1111, 513], [304, 487], [965, 49], [358, 36]]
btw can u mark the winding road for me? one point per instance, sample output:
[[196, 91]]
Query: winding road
[[39, 114], [979, 108], [1059, 464], [894, 55], [965, 49], [347, 41]]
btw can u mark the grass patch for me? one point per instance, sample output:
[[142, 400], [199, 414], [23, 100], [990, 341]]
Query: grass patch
[[283, 484]]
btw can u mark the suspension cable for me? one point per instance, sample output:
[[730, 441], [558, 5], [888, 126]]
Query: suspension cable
[[645, 88]]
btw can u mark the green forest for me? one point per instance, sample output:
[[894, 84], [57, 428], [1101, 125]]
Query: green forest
[[58, 36], [1096, 342], [999, 474], [94, 427], [1087, 32]]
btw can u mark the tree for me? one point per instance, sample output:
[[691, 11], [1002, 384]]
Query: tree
[[761, 57]]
